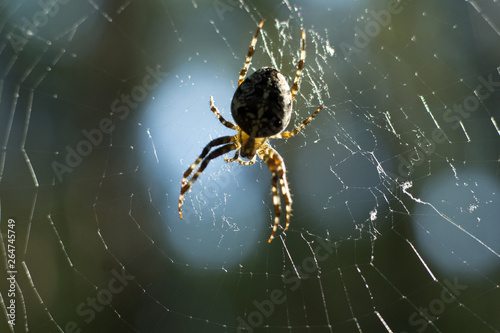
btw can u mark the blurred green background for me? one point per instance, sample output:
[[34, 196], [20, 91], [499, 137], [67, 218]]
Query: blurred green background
[[104, 105]]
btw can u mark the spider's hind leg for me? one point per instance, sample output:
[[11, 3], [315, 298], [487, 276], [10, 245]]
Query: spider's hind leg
[[251, 50], [295, 86], [284, 135]]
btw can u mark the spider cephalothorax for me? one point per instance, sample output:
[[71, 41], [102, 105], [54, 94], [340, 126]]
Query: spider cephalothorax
[[261, 108]]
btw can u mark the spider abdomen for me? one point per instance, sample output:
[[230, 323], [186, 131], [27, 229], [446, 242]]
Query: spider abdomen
[[262, 103]]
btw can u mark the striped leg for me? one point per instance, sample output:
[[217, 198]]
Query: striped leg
[[250, 53], [285, 135], [278, 160], [295, 87], [269, 160], [246, 163], [236, 157], [186, 185], [213, 143], [224, 122]]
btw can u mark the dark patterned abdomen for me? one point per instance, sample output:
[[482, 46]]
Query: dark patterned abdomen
[[262, 104]]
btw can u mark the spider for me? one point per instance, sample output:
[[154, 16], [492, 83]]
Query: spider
[[261, 107]]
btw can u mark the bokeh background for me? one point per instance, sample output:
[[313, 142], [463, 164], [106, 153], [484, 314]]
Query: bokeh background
[[395, 228]]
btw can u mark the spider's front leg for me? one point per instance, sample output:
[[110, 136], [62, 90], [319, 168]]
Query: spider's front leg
[[277, 166], [204, 159]]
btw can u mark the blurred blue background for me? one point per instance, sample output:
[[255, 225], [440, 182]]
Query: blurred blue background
[[104, 105]]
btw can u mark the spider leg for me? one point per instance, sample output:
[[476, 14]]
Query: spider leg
[[284, 184], [246, 163], [186, 185], [295, 86], [224, 122], [250, 53], [298, 129], [234, 158], [213, 143], [264, 154]]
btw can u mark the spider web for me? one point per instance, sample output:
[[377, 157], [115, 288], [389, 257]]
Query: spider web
[[395, 228]]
